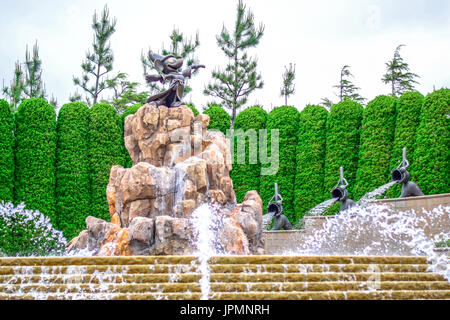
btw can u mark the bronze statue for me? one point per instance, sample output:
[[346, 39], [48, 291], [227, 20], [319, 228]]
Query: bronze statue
[[168, 67], [401, 176], [275, 209], [340, 193]]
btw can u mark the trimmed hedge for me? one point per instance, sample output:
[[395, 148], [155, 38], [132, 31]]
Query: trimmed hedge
[[6, 152], [219, 118], [194, 110], [311, 150], [286, 120], [409, 106], [343, 133], [106, 150], [430, 166], [247, 176], [73, 187], [35, 156], [377, 137]]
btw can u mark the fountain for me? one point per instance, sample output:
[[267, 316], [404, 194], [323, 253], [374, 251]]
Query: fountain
[[275, 210], [401, 176]]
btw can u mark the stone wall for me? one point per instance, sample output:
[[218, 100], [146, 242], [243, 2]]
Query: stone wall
[[280, 241]]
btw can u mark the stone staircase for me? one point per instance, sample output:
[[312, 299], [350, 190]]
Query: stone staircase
[[231, 278]]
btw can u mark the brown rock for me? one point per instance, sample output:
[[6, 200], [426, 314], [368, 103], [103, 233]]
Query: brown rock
[[78, 243], [115, 243], [97, 230], [142, 236], [173, 236]]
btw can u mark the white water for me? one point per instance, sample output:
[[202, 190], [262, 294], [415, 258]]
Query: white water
[[321, 208], [374, 193], [376, 230], [267, 220]]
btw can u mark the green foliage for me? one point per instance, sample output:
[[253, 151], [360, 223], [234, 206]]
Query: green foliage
[[286, 120], [194, 110], [130, 110], [26, 232], [347, 90], [343, 133], [288, 87], [430, 166], [106, 150], [239, 78], [311, 150], [409, 106], [35, 156], [219, 118], [124, 93], [377, 137], [6, 152], [33, 88], [247, 176], [73, 187], [14, 93]]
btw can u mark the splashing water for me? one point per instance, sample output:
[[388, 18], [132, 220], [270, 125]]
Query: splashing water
[[204, 221], [376, 230], [374, 193], [321, 208], [267, 220]]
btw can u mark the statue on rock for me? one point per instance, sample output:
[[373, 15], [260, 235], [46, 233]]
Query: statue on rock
[[168, 67]]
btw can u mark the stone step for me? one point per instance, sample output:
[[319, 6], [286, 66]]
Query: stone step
[[305, 295], [215, 277], [224, 287], [215, 268], [256, 259]]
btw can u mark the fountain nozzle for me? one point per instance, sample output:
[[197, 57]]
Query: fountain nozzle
[[401, 176]]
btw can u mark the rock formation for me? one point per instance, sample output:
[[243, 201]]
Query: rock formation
[[177, 165]]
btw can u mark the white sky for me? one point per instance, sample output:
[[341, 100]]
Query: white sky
[[318, 36]]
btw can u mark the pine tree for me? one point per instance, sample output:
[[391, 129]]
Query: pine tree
[[288, 87], [33, 86], [240, 78], [398, 75], [14, 93], [98, 63], [179, 47], [124, 93], [347, 90]]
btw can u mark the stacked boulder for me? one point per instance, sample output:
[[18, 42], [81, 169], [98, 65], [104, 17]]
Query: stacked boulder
[[178, 164]]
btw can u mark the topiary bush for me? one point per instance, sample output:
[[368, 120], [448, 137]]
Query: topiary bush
[[311, 149], [73, 186], [106, 150], [430, 166], [6, 152], [219, 118], [286, 120], [409, 107], [247, 176], [343, 134], [377, 137], [35, 156], [194, 110], [27, 233]]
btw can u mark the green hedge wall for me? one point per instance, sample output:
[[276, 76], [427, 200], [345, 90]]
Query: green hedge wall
[[6, 152], [219, 118], [343, 134], [430, 166], [377, 137], [73, 186], [247, 176], [35, 156], [311, 148], [286, 120], [106, 150], [409, 106]]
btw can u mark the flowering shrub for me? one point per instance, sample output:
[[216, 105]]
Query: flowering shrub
[[27, 233]]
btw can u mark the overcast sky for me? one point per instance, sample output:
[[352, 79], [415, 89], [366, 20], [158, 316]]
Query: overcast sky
[[318, 36]]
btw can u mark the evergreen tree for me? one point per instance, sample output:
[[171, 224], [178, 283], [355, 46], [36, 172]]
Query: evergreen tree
[[288, 87], [240, 78], [124, 93], [33, 86], [179, 47], [98, 63], [347, 90], [14, 93], [398, 74]]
